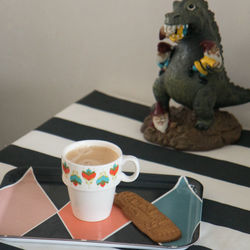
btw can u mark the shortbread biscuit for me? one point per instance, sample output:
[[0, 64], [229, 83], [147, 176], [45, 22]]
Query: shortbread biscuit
[[147, 218]]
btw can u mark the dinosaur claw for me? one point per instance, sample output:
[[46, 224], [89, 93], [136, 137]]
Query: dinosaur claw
[[203, 125]]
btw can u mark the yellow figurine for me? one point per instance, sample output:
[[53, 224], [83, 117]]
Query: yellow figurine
[[212, 59], [174, 32]]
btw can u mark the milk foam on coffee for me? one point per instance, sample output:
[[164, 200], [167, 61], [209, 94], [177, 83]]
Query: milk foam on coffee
[[92, 155]]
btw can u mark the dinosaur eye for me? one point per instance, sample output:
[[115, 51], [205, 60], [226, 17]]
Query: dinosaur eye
[[191, 7]]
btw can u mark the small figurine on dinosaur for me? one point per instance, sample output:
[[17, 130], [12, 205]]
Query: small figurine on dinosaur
[[164, 51], [212, 59], [194, 74]]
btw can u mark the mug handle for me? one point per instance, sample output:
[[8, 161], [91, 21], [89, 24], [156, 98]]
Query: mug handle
[[133, 177]]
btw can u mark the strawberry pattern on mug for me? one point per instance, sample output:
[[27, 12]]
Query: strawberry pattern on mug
[[65, 168], [75, 178], [113, 171], [92, 177], [102, 180], [88, 175]]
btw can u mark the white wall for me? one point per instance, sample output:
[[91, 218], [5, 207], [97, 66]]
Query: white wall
[[53, 52]]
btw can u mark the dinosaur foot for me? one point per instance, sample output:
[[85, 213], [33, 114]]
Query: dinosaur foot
[[182, 134]]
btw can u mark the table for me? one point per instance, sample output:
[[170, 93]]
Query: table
[[224, 173]]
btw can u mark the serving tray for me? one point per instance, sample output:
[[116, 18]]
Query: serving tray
[[179, 198]]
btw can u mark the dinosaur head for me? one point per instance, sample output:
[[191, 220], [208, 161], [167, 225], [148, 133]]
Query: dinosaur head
[[191, 15]]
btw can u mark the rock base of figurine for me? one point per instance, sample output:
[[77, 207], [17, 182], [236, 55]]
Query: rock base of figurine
[[181, 133]]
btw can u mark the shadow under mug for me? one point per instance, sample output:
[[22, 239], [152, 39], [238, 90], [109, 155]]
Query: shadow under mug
[[92, 188]]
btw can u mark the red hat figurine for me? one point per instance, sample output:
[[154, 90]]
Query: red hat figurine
[[160, 118]]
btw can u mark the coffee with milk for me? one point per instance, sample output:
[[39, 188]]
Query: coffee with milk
[[92, 155]]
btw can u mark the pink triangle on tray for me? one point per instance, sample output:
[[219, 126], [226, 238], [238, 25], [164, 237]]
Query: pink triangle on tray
[[23, 206]]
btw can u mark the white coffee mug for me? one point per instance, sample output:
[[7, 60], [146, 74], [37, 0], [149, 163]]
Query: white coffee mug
[[92, 188]]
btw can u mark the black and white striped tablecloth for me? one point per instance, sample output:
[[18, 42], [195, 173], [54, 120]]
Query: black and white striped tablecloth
[[224, 173]]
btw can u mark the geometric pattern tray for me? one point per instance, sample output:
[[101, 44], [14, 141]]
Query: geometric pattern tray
[[39, 208]]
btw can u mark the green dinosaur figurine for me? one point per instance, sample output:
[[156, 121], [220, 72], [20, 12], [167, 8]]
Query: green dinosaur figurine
[[188, 78]]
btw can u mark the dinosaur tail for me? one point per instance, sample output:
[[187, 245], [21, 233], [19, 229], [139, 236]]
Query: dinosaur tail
[[235, 95]]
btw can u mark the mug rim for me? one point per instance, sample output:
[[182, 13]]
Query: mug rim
[[77, 144]]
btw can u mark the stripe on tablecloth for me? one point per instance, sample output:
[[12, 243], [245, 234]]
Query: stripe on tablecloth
[[223, 170], [115, 105], [220, 238], [225, 215], [21, 157], [195, 247]]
